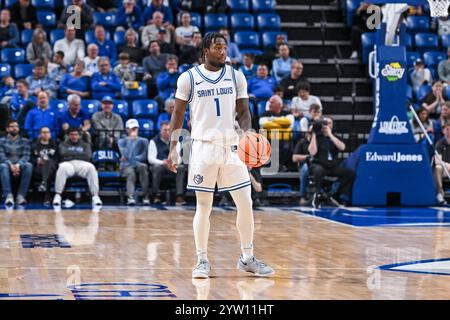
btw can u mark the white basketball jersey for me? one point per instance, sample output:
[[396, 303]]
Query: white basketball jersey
[[212, 104]]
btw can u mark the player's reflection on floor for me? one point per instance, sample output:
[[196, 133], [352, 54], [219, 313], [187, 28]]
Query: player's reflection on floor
[[202, 286], [249, 289]]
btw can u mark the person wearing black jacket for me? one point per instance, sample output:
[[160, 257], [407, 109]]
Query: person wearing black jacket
[[324, 149], [45, 161], [75, 156], [23, 14]]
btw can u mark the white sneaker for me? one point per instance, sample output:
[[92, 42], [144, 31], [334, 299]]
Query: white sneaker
[[96, 201], [131, 201], [9, 201], [57, 200], [202, 270], [354, 55], [440, 199], [146, 201]]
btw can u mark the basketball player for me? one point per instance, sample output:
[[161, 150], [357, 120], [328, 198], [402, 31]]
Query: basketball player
[[216, 94]]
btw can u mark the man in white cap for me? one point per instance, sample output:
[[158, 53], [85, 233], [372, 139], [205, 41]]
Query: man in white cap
[[133, 150]]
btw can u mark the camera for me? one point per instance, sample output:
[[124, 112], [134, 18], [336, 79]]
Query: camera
[[317, 125]]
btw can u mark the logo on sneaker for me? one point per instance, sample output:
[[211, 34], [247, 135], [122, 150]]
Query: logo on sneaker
[[198, 179]]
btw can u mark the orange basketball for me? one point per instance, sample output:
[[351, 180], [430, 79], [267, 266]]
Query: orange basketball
[[254, 149]]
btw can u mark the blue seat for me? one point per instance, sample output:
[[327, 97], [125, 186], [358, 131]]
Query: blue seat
[[121, 108], [26, 36], [268, 22], [23, 70], [411, 57], [107, 19], [101, 157], [426, 42], [90, 106], [56, 35], [409, 93], [247, 40], [12, 55], [196, 19], [351, 6], [242, 21], [119, 38], [367, 42], [43, 4], [261, 107], [445, 41], [263, 5], [89, 36], [5, 70], [215, 21], [146, 128], [238, 5], [9, 3], [279, 187], [183, 68], [145, 109], [58, 106], [416, 24], [269, 38], [47, 19], [423, 91], [134, 94], [432, 58]]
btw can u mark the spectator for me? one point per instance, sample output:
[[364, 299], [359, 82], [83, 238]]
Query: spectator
[[8, 86], [75, 156], [84, 11], [155, 63], [275, 117], [420, 75], [75, 82], [271, 52], [133, 150], [169, 106], [40, 117], [434, 100], [427, 123], [443, 150], [45, 162], [39, 48], [136, 54], [249, 67], [444, 69], [324, 148], [91, 60], [290, 83], [108, 125], [359, 26], [75, 117], [151, 32], [129, 16], [21, 102], [23, 14], [106, 48], [15, 161], [314, 113], [103, 5], [185, 32], [40, 80], [73, 48], [57, 68], [157, 5], [165, 46], [125, 70], [439, 123], [166, 80], [192, 53], [301, 156], [281, 67], [262, 86], [9, 33], [105, 82], [300, 104], [443, 26], [216, 6], [233, 50], [158, 152]]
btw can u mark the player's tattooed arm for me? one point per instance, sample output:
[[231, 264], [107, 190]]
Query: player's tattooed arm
[[243, 114], [176, 122]]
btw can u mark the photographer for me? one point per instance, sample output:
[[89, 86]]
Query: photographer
[[324, 148]]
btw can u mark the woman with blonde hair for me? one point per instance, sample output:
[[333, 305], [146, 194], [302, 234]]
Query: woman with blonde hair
[[39, 48]]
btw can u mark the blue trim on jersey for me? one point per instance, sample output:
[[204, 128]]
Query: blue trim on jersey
[[209, 80], [234, 80], [204, 189], [191, 95], [236, 186]]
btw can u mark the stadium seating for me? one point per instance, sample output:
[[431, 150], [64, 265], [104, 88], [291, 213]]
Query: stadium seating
[[416, 24], [107, 19], [110, 180], [215, 21], [447, 91], [242, 21], [409, 93], [12, 55], [47, 19], [58, 106], [423, 91], [269, 38], [238, 5], [43, 4], [56, 35], [426, 42], [183, 68], [411, 57], [23, 70], [268, 22], [121, 108], [9, 3], [432, 59], [261, 107], [367, 42], [134, 94], [145, 109], [119, 38], [90, 106], [263, 5], [26, 36], [146, 128], [247, 41], [445, 41], [5, 70]]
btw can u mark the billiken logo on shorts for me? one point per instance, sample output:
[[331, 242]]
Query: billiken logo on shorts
[[393, 71], [393, 127]]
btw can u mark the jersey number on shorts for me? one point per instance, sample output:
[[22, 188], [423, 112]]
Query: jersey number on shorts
[[217, 106]]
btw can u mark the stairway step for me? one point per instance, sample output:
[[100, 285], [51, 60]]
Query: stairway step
[[315, 49], [343, 89], [346, 108], [303, 2], [318, 69], [295, 15], [314, 33]]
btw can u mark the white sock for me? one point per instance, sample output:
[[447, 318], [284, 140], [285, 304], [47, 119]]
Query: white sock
[[244, 221], [201, 223]]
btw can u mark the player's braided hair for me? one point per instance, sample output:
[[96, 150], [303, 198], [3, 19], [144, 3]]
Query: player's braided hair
[[210, 38]]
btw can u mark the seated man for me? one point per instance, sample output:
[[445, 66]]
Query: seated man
[[248, 67], [158, 152], [108, 125], [45, 162], [41, 80], [74, 117], [300, 104], [75, 156], [133, 150], [15, 160], [105, 82], [442, 148], [262, 86], [105, 47], [324, 148], [301, 157], [39, 117], [21, 102], [166, 80]]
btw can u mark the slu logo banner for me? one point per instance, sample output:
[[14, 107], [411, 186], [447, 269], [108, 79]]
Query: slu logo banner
[[393, 71]]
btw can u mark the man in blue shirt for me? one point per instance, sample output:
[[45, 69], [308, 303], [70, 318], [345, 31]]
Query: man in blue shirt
[[281, 67], [262, 86], [74, 117], [157, 5], [129, 16], [106, 48], [165, 81], [105, 82], [40, 80], [248, 67], [21, 102], [41, 117]]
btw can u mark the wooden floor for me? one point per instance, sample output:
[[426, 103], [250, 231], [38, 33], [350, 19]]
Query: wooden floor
[[149, 254]]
